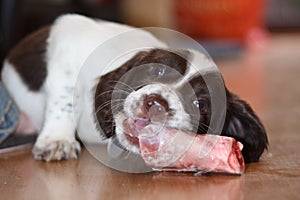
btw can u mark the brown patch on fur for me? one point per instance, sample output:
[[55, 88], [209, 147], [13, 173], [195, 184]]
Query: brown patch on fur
[[28, 58], [170, 59], [104, 91]]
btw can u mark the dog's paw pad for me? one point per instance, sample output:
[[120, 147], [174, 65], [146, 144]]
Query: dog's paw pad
[[56, 150]]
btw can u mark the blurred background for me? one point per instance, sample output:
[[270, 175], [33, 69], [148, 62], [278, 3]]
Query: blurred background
[[223, 27]]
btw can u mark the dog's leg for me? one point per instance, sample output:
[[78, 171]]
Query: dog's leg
[[57, 139]]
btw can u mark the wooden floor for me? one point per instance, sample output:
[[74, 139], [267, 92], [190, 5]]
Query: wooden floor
[[268, 78]]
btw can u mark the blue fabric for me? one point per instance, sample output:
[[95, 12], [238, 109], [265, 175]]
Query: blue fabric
[[9, 114]]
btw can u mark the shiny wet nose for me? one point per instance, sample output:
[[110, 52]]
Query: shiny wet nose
[[156, 107]]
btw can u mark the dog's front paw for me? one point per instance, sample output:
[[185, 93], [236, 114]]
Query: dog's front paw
[[56, 150]]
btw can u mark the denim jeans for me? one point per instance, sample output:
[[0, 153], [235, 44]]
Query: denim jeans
[[9, 114]]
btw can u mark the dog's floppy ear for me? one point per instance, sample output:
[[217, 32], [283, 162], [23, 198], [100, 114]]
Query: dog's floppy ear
[[244, 125]]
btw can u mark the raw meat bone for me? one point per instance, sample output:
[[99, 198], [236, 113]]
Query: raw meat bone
[[169, 149]]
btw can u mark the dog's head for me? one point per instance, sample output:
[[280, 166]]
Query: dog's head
[[160, 86]]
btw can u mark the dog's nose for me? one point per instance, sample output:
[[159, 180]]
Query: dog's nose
[[156, 100], [156, 107]]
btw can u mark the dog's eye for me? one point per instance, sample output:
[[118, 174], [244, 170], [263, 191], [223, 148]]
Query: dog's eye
[[199, 103], [159, 70]]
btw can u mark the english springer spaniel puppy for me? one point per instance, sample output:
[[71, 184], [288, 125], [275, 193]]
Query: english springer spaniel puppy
[[42, 70]]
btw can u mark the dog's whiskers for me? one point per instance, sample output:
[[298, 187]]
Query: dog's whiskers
[[131, 89], [196, 125], [104, 93], [117, 107], [109, 102]]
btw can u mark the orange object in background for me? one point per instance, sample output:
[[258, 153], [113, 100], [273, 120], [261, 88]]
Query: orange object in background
[[237, 22], [220, 19]]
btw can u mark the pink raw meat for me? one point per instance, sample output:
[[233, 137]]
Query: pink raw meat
[[168, 149]]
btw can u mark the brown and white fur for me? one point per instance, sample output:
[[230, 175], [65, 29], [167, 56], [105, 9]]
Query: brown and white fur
[[42, 70]]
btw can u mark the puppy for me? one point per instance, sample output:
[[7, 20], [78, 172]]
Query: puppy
[[43, 74]]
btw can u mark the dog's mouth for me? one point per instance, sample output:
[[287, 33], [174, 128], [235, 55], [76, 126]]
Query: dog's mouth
[[156, 111], [133, 128]]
